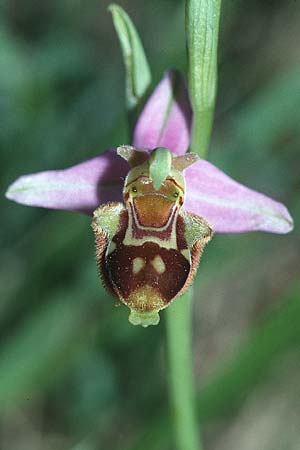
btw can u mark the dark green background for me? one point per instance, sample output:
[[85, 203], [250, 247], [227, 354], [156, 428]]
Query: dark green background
[[74, 374]]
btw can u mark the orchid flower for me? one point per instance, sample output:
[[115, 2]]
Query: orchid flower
[[226, 205]]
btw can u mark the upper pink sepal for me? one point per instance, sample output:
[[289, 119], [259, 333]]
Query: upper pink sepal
[[82, 187], [166, 118], [229, 206]]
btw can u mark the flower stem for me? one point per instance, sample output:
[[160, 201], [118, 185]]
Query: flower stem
[[181, 380], [202, 28]]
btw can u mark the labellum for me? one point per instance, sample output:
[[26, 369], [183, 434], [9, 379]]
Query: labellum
[[148, 248]]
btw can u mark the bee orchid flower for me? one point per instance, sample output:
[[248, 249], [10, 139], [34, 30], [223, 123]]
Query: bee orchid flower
[[156, 235]]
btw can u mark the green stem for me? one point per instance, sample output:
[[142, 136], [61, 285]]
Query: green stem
[[181, 380], [201, 131], [202, 27]]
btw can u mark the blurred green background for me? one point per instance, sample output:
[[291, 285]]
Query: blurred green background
[[74, 374]]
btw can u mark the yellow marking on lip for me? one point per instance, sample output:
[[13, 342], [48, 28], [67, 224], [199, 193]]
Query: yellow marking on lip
[[137, 265], [158, 264], [129, 239], [145, 298], [187, 254]]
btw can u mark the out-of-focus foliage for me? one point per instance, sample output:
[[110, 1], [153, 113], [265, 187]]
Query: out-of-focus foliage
[[74, 374]]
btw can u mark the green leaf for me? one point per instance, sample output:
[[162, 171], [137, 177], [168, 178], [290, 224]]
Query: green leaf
[[138, 76], [45, 344]]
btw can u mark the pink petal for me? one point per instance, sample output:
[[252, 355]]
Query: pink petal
[[166, 118], [82, 187], [229, 206]]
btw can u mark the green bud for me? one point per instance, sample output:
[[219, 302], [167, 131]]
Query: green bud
[[138, 76]]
